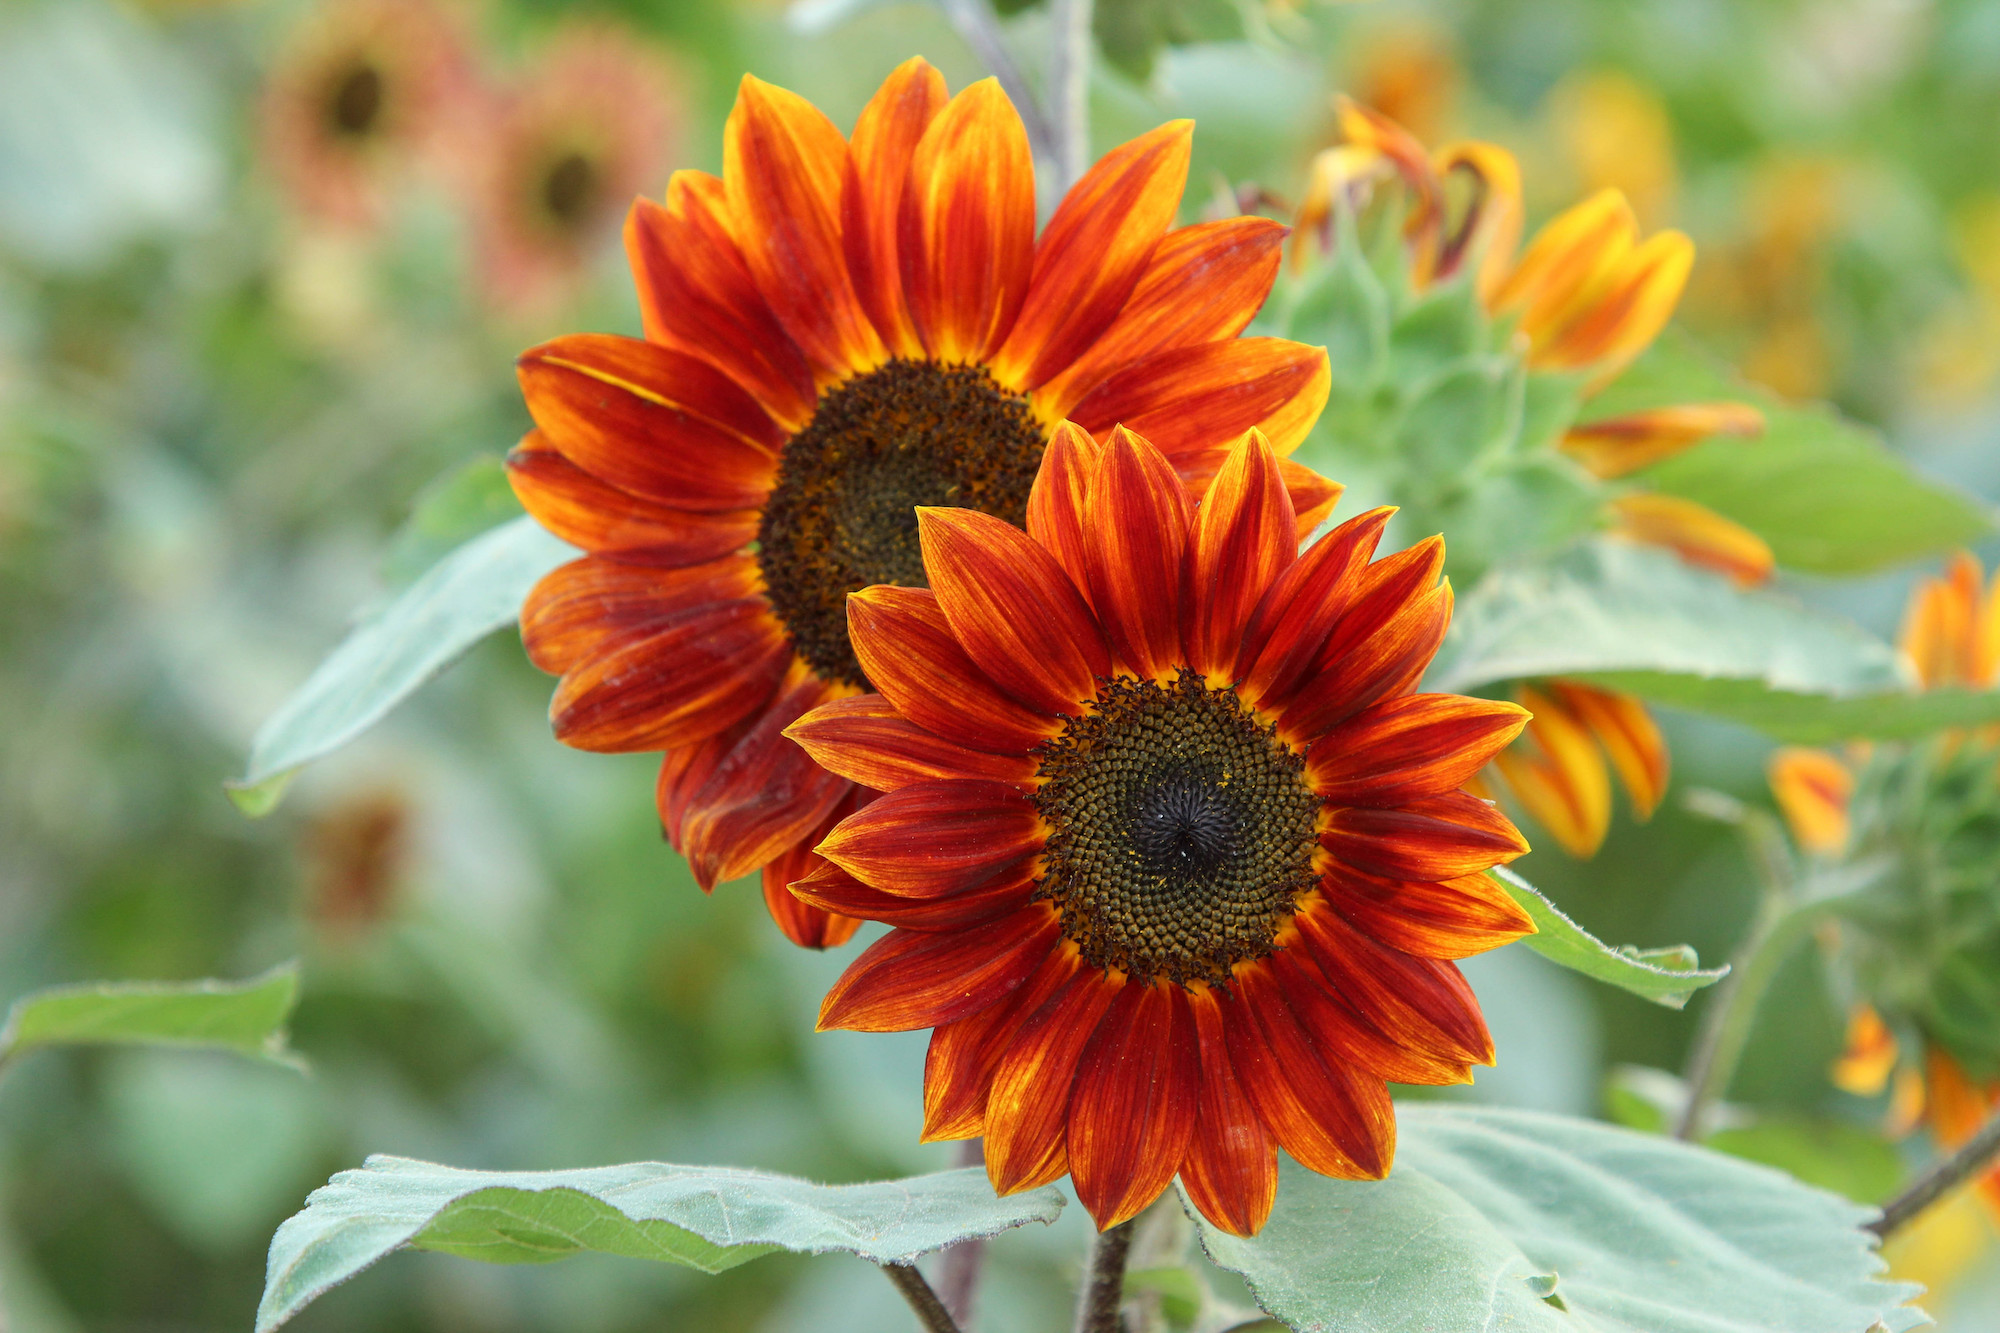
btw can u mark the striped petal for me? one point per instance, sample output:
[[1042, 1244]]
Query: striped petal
[[604, 520], [912, 979], [1134, 548], [1697, 534], [1637, 301], [864, 739], [705, 671], [1093, 252], [907, 648], [1379, 647], [593, 606], [1417, 1002], [967, 237], [1418, 745], [1629, 736], [1187, 399], [1027, 1107], [1012, 608], [1230, 1171], [683, 770], [1343, 1036], [1333, 1118], [936, 838], [1456, 918], [958, 1070], [1059, 500], [806, 923], [784, 166], [1613, 447], [1243, 538], [885, 139], [1557, 772], [1289, 627], [1133, 1108], [1435, 837], [1813, 790], [832, 889]]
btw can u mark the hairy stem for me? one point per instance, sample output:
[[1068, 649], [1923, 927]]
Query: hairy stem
[[960, 1283], [1973, 1156], [1069, 88], [930, 1310], [1104, 1286], [979, 28]]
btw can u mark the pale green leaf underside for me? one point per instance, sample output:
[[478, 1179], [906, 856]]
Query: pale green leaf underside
[[1499, 1219], [1666, 976], [709, 1218], [247, 1017], [471, 593]]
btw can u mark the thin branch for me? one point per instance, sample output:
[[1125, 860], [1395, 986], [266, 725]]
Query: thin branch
[[1104, 1286], [960, 1283], [1069, 88], [1972, 1157], [930, 1310], [979, 28]]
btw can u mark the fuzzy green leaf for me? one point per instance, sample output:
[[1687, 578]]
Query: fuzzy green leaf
[[1666, 976], [708, 1218], [1547, 1224], [247, 1017], [471, 593]]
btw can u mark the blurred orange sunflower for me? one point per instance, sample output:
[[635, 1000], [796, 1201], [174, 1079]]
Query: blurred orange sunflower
[[1175, 858], [1588, 294], [837, 333], [365, 84], [561, 157]]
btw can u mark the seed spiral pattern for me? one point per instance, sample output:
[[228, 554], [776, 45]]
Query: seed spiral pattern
[[1183, 830], [842, 515]]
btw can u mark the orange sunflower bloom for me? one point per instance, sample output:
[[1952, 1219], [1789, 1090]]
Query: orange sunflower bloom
[[1176, 859], [838, 331]]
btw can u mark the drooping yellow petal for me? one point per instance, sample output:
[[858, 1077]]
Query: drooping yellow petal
[[1615, 446], [1490, 227], [1869, 1055], [1813, 790], [1557, 772], [1948, 630], [1629, 736], [1696, 533]]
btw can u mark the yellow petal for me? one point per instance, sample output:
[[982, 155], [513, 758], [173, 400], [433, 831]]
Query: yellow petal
[[1870, 1054], [1558, 774], [1628, 734], [1696, 533], [1813, 790], [1616, 446]]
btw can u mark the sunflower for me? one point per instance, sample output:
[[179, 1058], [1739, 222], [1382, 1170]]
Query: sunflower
[[836, 333], [1175, 859]]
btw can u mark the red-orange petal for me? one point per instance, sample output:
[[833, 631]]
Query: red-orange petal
[[696, 295], [1134, 548], [1368, 658], [1292, 620], [1133, 1108], [806, 923], [1027, 1106], [1417, 1002], [1230, 1171], [593, 606], [1204, 283], [683, 770], [784, 166], [866, 740], [661, 424], [1093, 252], [1455, 918], [1187, 399], [1343, 1036], [604, 520], [958, 1070], [936, 838], [885, 138], [1012, 609], [1313, 496], [1333, 1118], [1417, 745], [1432, 837], [967, 238], [708, 669], [919, 979], [829, 887], [907, 648], [1060, 497], [1243, 537]]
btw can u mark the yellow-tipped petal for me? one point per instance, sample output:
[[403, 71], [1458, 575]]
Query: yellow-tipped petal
[[1629, 736], [1813, 790], [1558, 774], [1696, 533], [1566, 256], [1617, 446], [1636, 302], [1869, 1056]]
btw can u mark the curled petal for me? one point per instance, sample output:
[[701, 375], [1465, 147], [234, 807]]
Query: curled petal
[[1188, 399], [1230, 1171], [967, 238], [920, 979], [1133, 1108], [604, 520], [958, 1070], [1613, 447], [1203, 284], [1133, 552], [1421, 1003], [1418, 745], [908, 650], [885, 138], [1455, 918], [784, 166], [1027, 1107], [1490, 227], [684, 769], [1093, 252], [1558, 773], [832, 889], [1628, 734], [592, 606], [1433, 837], [1813, 790], [1244, 536], [706, 670], [1060, 499], [1012, 608], [1332, 1117], [936, 838], [1294, 617], [864, 739]]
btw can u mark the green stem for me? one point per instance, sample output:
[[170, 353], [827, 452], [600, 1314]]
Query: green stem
[[1104, 1287], [959, 1284], [1973, 1156], [1069, 88], [930, 1310]]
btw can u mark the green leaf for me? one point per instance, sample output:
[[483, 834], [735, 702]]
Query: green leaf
[[247, 1017], [1831, 1154], [1501, 1219], [474, 591], [1179, 1290], [1826, 493], [1666, 976], [472, 498], [709, 1218]]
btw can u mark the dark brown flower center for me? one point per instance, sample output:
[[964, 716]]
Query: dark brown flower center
[[1183, 830], [842, 515], [354, 104], [569, 190]]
